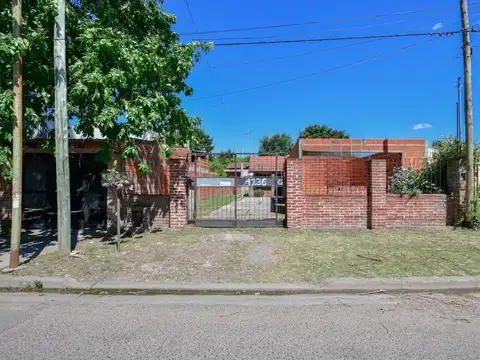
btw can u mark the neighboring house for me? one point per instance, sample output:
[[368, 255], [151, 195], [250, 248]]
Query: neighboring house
[[268, 166], [92, 206], [240, 169]]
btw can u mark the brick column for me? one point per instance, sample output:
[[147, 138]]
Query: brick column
[[178, 192], [376, 193], [294, 199]]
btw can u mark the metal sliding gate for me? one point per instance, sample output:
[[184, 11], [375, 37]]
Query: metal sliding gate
[[237, 190]]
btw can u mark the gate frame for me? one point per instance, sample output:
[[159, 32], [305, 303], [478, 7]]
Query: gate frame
[[235, 223]]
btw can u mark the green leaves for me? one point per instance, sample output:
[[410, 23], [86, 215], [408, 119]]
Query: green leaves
[[322, 132], [126, 70], [202, 141], [276, 144]]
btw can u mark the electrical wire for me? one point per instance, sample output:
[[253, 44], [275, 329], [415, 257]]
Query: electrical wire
[[316, 31], [195, 27], [359, 37], [404, 48], [277, 26], [295, 55]]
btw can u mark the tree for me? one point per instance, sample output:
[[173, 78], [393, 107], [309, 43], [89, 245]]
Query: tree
[[202, 141], [119, 185], [280, 143], [322, 132], [126, 70], [219, 163]]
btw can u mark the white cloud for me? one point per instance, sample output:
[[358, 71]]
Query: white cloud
[[437, 26], [421, 126]]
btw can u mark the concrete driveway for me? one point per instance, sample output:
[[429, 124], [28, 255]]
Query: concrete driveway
[[248, 208]]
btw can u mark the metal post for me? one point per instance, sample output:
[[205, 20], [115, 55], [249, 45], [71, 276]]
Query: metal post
[[61, 133], [195, 189], [235, 183], [17, 143], [276, 189], [467, 83]]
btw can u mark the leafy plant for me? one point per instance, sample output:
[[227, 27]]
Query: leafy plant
[[219, 163], [202, 141], [280, 143], [258, 193], [322, 132], [476, 214], [405, 181], [126, 67], [119, 184]]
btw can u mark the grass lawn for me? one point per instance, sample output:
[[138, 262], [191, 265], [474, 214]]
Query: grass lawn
[[271, 255], [206, 206]]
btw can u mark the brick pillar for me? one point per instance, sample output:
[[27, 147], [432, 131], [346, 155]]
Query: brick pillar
[[294, 199], [178, 192], [376, 193]]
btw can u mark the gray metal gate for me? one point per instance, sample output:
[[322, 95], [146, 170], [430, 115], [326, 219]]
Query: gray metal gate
[[241, 190]]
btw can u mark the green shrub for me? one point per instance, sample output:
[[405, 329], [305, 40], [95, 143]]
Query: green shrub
[[476, 214], [410, 181], [405, 181], [258, 193]]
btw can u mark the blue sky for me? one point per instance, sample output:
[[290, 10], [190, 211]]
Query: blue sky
[[380, 98]]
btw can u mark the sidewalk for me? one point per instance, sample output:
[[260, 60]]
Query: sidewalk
[[328, 286]]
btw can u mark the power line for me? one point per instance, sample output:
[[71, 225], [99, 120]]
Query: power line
[[195, 27], [277, 26], [315, 73], [296, 55], [360, 37], [323, 30]]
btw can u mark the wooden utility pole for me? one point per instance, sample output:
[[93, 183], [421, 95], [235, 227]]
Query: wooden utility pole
[[467, 82], [61, 133], [17, 146]]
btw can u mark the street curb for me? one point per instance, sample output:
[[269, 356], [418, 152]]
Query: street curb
[[327, 286]]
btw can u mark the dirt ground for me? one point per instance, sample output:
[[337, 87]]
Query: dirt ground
[[269, 255]]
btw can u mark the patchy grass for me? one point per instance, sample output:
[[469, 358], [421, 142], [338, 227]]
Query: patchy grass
[[271, 255], [206, 206]]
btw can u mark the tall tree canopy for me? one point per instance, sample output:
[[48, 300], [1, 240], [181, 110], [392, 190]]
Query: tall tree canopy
[[280, 143], [126, 70], [322, 132], [202, 141]]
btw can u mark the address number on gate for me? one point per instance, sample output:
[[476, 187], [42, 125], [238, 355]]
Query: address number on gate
[[259, 181]]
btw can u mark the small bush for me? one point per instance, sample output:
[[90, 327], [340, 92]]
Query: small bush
[[476, 214], [410, 181], [258, 193], [405, 181]]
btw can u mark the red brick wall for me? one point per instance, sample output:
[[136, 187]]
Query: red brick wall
[[421, 210], [331, 211], [294, 194], [178, 192], [333, 175], [376, 193], [413, 150], [372, 208]]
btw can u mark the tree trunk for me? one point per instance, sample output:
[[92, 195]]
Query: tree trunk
[[118, 223]]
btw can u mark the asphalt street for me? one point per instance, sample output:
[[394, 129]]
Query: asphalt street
[[53, 326]]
